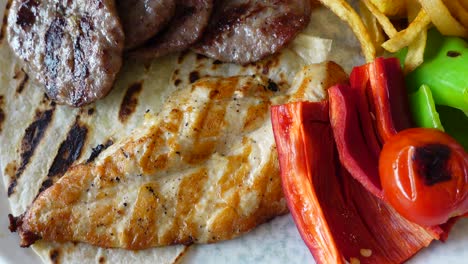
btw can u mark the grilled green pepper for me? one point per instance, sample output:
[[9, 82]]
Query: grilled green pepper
[[423, 109], [445, 70]]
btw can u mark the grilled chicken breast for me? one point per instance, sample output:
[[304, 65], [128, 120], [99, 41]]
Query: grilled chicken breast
[[204, 169]]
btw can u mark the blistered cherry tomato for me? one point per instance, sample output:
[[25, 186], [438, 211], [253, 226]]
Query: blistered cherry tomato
[[424, 175]]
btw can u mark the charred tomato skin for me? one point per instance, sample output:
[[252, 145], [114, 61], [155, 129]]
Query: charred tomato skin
[[424, 175]]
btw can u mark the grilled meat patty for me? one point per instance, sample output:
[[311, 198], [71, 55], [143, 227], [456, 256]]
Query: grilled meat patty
[[142, 19], [244, 31], [185, 28], [74, 48]]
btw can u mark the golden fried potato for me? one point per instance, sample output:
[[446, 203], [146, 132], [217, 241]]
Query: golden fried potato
[[391, 7]]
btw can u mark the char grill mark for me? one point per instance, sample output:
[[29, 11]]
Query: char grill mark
[[27, 237], [54, 255], [73, 48], [186, 27], [102, 259], [80, 67], [69, 150], [272, 86], [53, 42], [130, 101], [246, 31], [12, 186], [98, 149], [431, 163], [23, 82], [5, 20], [31, 139], [44, 186], [194, 76], [2, 112], [27, 14]]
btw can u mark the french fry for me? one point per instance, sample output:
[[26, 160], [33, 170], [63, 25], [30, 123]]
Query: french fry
[[382, 18], [408, 35], [450, 19], [458, 11], [415, 55], [374, 28], [390, 7], [413, 7], [464, 3], [346, 13], [442, 19]]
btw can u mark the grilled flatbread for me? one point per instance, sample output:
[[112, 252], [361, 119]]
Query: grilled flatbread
[[41, 141], [204, 169]]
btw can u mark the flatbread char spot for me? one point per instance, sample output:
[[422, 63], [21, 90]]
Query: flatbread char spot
[[130, 101], [2, 112], [32, 137]]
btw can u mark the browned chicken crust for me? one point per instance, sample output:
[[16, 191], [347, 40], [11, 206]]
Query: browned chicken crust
[[204, 170]]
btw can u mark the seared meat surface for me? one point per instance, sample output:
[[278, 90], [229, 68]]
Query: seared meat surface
[[74, 48], [142, 19], [204, 169], [244, 31], [186, 27]]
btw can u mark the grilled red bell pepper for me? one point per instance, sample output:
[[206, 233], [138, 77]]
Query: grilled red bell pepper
[[359, 80], [352, 133], [389, 96], [336, 216], [299, 154], [356, 121], [365, 114]]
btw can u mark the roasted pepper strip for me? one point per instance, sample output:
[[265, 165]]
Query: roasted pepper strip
[[321, 196], [389, 95], [423, 109], [444, 70], [352, 141], [299, 154], [384, 87], [359, 80], [364, 115], [352, 111]]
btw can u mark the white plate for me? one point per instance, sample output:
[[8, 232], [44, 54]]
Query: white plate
[[10, 252]]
